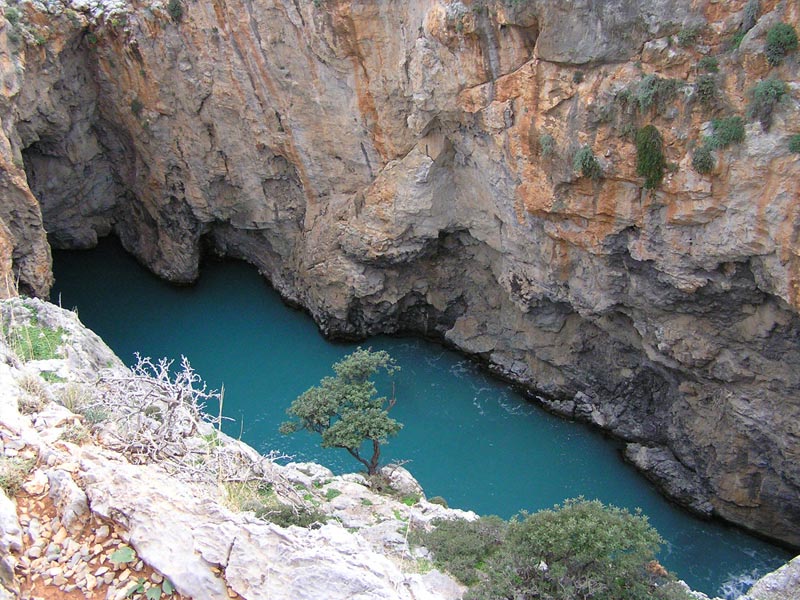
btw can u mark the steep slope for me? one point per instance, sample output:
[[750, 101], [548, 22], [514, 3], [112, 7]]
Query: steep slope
[[409, 166]]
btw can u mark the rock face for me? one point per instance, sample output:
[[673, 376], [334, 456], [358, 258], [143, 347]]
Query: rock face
[[409, 167]]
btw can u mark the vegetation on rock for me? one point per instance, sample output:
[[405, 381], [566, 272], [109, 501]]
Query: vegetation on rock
[[727, 131], [781, 40], [578, 550], [794, 143], [650, 162], [702, 159], [345, 410], [587, 164], [764, 97]]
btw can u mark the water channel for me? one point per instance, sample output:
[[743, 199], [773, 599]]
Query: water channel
[[469, 438]]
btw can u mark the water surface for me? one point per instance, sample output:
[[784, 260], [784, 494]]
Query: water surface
[[470, 439]]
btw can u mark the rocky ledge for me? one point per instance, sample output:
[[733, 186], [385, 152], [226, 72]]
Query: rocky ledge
[[92, 515]]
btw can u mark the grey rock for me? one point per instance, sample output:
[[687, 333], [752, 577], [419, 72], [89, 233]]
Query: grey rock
[[783, 584], [10, 530], [70, 500]]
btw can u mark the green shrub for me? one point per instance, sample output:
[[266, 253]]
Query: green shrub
[[12, 15], [438, 500], [547, 144], [332, 493], [175, 10], [736, 40], [706, 90], [781, 40], [462, 547], [727, 131], [687, 37], [285, 516], [580, 550], [794, 143], [708, 64], [655, 91], [764, 96], [702, 159], [136, 107], [587, 164], [650, 162]]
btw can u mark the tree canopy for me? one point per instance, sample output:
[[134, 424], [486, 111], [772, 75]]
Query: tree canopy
[[346, 410]]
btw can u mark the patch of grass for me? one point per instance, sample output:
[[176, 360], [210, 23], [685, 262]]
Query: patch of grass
[[650, 161], [51, 377], [794, 143], [587, 164], [34, 341], [764, 97], [332, 493], [438, 500], [366, 502], [13, 473], [781, 41], [411, 499], [35, 396]]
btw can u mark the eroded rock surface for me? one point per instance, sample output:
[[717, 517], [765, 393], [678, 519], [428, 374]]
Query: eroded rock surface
[[408, 166]]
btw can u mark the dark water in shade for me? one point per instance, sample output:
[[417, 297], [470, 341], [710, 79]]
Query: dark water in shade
[[469, 438]]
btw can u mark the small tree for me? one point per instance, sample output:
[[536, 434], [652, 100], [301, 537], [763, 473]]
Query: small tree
[[344, 409]]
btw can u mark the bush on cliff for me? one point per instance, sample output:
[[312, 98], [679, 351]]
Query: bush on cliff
[[781, 40], [581, 550], [650, 162]]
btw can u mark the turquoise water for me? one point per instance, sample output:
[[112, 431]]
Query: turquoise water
[[469, 438]]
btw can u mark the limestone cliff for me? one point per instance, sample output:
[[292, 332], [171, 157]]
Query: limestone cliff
[[409, 166]]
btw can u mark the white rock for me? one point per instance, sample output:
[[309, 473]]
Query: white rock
[[10, 531]]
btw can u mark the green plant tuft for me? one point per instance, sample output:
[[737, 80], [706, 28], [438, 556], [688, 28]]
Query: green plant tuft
[[727, 131], [136, 107], [688, 36], [34, 341], [794, 143], [655, 91], [587, 164], [702, 159], [764, 97], [706, 90], [650, 162], [781, 40], [175, 10], [332, 493], [12, 15], [547, 144], [708, 64], [14, 471]]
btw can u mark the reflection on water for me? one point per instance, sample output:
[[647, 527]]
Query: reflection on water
[[470, 439]]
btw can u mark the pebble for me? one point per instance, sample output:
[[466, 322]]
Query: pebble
[[125, 575], [91, 581], [34, 551], [156, 578], [59, 580], [53, 571], [102, 533], [102, 570], [108, 577]]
